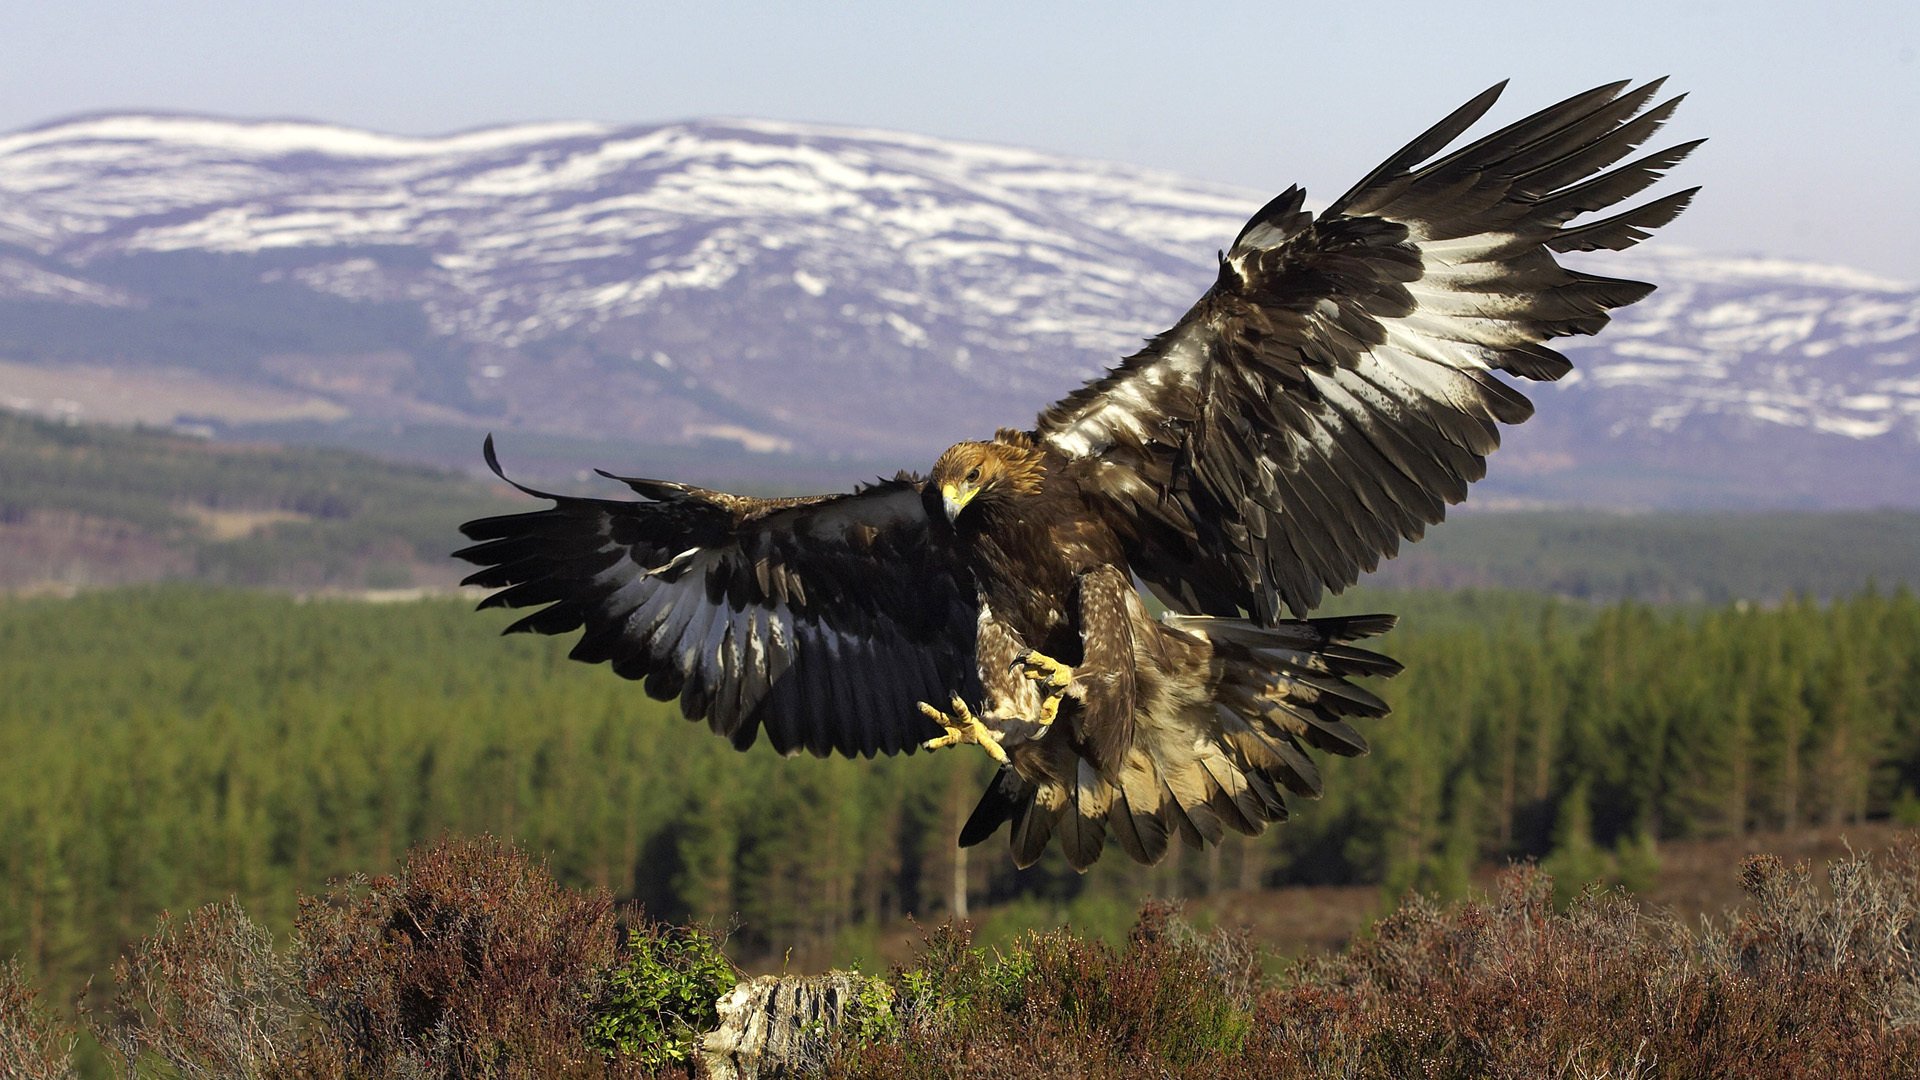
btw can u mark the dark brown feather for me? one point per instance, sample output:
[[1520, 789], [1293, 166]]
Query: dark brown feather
[[872, 613], [1327, 399]]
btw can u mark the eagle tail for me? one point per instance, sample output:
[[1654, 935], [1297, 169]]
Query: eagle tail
[[1287, 685], [1271, 694]]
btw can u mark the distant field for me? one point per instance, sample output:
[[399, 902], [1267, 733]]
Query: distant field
[[1665, 557], [153, 395], [85, 505], [1689, 879]]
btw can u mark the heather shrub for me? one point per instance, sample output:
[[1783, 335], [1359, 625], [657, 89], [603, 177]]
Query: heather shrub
[[207, 995], [1056, 1004], [1506, 986], [1862, 930], [33, 1045], [659, 999], [471, 962]]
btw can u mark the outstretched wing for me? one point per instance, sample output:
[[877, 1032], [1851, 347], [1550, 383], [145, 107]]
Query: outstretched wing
[[1335, 389], [822, 620]]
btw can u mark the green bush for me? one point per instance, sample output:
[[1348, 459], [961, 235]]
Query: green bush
[[1906, 807], [661, 995]]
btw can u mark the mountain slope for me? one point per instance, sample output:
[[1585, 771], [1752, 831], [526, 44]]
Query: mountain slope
[[84, 506], [785, 287]]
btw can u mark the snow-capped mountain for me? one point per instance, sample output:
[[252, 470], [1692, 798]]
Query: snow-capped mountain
[[797, 287]]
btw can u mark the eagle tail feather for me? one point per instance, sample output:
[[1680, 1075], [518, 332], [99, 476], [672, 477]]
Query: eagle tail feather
[[1141, 834], [1274, 692]]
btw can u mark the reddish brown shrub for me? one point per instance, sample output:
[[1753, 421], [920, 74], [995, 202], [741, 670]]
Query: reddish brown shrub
[[472, 962], [33, 1045], [1805, 983], [1504, 986], [1863, 928], [207, 995]]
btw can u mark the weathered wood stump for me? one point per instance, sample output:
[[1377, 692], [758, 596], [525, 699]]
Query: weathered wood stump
[[777, 1026]]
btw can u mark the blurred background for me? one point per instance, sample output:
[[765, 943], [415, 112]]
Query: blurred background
[[269, 272]]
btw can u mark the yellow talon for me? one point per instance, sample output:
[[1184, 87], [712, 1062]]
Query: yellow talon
[[1054, 678], [963, 727], [1049, 709], [1053, 675]]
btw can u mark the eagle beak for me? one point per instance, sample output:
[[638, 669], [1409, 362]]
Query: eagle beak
[[955, 497]]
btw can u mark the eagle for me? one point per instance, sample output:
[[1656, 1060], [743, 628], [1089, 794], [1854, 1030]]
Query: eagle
[[1335, 389]]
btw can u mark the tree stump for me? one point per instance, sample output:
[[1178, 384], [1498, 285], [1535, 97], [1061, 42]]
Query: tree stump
[[776, 1026]]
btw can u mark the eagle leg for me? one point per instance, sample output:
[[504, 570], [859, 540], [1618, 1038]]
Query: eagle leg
[[963, 727], [1054, 677]]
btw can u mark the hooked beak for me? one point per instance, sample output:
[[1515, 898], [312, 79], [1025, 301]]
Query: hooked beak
[[955, 497]]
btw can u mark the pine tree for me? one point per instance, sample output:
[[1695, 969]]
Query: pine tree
[[1452, 870], [1576, 860]]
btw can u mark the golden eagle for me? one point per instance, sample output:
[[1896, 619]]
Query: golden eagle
[[1326, 399]]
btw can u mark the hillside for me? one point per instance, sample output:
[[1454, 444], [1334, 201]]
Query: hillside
[[85, 506], [90, 505], [1673, 557], [795, 292]]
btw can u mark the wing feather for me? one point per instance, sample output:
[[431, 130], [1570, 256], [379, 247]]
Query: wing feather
[[820, 621], [1335, 390]]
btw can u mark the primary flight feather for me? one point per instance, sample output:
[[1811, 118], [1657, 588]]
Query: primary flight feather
[[1325, 400]]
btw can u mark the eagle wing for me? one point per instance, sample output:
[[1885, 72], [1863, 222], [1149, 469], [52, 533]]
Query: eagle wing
[[1335, 389], [822, 620]]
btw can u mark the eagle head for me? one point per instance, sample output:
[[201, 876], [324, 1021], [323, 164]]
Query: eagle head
[[987, 472]]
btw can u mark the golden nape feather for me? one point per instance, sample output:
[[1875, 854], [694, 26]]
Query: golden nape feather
[[1339, 386]]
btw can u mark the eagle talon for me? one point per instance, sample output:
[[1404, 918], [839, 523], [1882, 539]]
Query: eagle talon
[[963, 727], [1051, 674], [1054, 678], [1049, 710]]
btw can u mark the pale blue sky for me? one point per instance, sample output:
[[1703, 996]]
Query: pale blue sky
[[1814, 110]]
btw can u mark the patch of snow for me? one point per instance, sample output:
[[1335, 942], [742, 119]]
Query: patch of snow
[[1774, 415], [1853, 429], [911, 335], [1605, 374], [288, 137], [21, 280]]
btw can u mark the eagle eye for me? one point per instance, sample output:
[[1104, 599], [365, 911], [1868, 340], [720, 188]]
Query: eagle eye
[[973, 474]]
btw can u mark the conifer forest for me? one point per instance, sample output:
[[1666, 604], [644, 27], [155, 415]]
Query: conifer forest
[[169, 747]]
